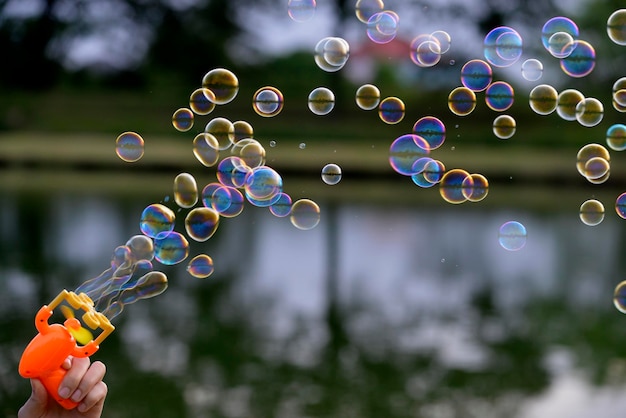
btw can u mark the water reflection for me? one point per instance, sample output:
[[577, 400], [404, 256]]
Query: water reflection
[[379, 311]]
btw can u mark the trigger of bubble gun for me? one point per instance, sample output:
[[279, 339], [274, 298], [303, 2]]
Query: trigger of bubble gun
[[44, 356]]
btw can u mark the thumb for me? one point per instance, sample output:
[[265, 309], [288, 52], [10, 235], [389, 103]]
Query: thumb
[[35, 406]]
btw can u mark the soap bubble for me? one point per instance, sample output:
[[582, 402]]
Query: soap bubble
[[391, 110], [321, 101], [504, 126], [616, 137], [267, 101], [476, 75], [532, 69], [201, 266], [301, 10], [129, 147], [367, 97], [616, 27], [591, 212], [331, 174], [512, 236], [382, 27], [589, 112], [305, 214], [182, 119], [223, 83], [462, 101], [543, 99], [567, 101], [202, 101]]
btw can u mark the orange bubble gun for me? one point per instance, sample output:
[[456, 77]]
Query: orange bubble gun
[[44, 356]]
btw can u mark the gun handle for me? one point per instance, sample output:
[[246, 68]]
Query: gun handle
[[52, 381]]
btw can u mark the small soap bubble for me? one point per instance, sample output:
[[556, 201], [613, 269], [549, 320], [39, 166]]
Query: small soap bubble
[[567, 101], [596, 168], [243, 130], [216, 196], [475, 187], [620, 97], [267, 101], [156, 219], [591, 212], [201, 266], [201, 223], [476, 75], [202, 101], [619, 297], [365, 9], [462, 101], [502, 46], [272, 143], [129, 147], [331, 174], [182, 119], [331, 53], [543, 99], [367, 97], [452, 184], [427, 53], [589, 112], [185, 190], [223, 130], [532, 69], [620, 205], [382, 27], [250, 151], [561, 44], [282, 206], [512, 236], [301, 10], [391, 110], [223, 83], [555, 25], [434, 171], [499, 96], [432, 130], [236, 203], [170, 248], [444, 40], [206, 149], [616, 27], [228, 169], [302, 145], [588, 152], [504, 126], [616, 137], [581, 61], [321, 101], [305, 214], [263, 183]]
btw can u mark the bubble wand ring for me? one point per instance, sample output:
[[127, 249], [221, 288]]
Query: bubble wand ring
[[44, 356]]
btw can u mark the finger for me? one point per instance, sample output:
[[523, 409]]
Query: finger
[[92, 377], [67, 363], [73, 376], [94, 398], [35, 405]]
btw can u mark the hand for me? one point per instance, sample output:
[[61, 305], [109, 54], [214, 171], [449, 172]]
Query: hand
[[82, 383]]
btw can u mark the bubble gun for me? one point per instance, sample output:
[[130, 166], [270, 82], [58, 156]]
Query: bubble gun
[[44, 356]]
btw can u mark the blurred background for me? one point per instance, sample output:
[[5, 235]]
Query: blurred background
[[398, 304]]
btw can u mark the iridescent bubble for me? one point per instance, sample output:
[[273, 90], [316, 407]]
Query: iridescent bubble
[[321, 101], [185, 190], [475, 187], [331, 174], [170, 248], [620, 205], [432, 130], [567, 101], [404, 151], [202, 101], [263, 183], [618, 86], [476, 75], [217, 197], [502, 46], [301, 10], [427, 53], [251, 152], [201, 266], [129, 147], [543, 99], [596, 168], [336, 51], [591, 212], [382, 27], [444, 40], [561, 45], [581, 61], [532, 69], [267, 101], [512, 236], [589, 112], [391, 110], [499, 96], [365, 9], [452, 184], [201, 223], [421, 180], [206, 149], [305, 214], [462, 101], [223, 83], [141, 247], [243, 130], [556, 25], [434, 171], [156, 219], [616, 27], [282, 206], [182, 119], [367, 97], [619, 297], [616, 137], [504, 126], [223, 130], [620, 97], [227, 169], [263, 203], [588, 152]]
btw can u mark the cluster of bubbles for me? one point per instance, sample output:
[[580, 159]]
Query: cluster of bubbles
[[243, 176]]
